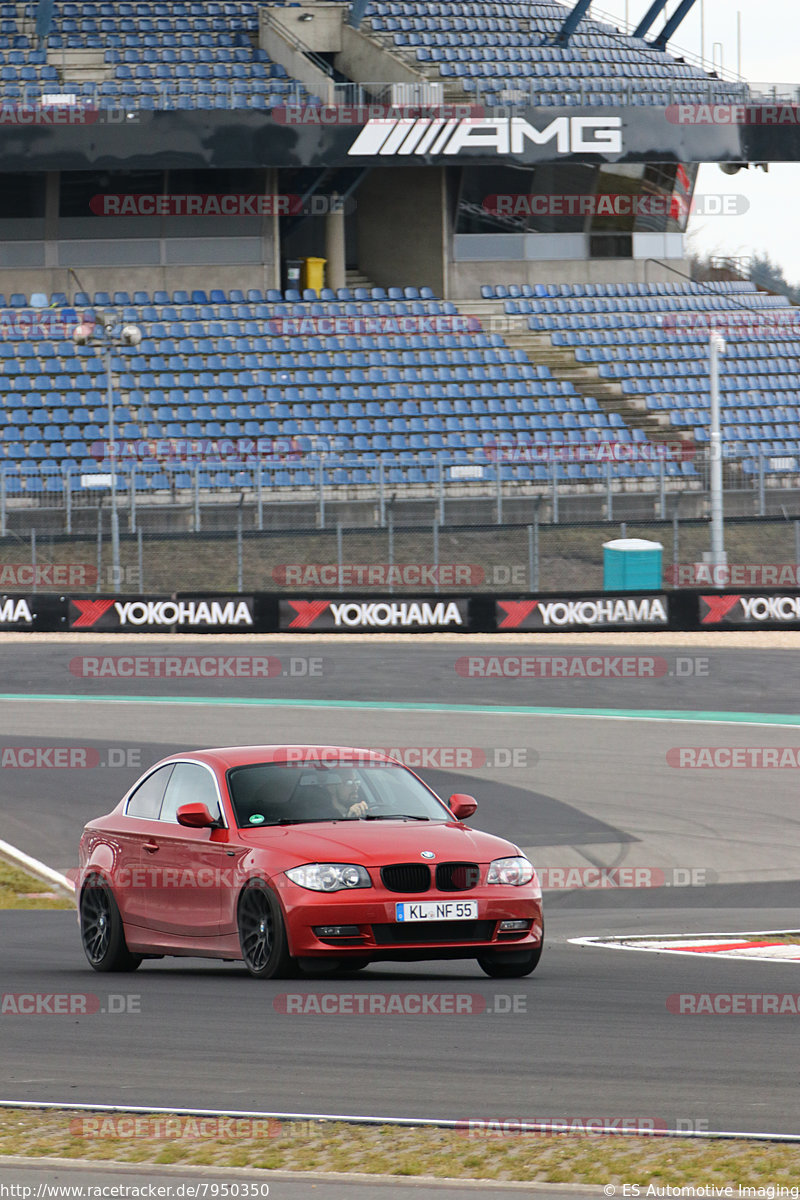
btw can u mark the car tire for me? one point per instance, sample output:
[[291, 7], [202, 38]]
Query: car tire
[[262, 933], [102, 933], [502, 966]]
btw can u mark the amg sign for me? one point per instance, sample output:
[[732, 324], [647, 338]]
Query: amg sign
[[503, 135]]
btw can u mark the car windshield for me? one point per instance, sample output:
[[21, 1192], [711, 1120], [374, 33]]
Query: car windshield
[[288, 793]]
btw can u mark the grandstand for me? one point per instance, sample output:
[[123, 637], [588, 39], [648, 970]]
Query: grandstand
[[147, 56], [505, 53], [241, 367], [410, 366], [193, 55]]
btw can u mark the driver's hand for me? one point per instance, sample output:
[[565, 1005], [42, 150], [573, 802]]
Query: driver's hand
[[358, 810]]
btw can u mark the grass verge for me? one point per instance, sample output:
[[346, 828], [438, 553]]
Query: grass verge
[[323, 1146], [20, 890]]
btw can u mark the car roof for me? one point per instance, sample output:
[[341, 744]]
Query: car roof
[[225, 757]]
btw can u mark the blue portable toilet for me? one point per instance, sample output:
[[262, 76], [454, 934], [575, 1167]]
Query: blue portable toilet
[[632, 565]]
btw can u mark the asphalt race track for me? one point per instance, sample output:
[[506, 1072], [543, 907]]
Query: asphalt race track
[[588, 1036]]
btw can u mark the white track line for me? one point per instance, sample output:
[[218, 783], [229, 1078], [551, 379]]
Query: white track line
[[415, 1122], [40, 870]]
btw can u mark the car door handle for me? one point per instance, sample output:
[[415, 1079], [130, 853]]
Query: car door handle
[[151, 847]]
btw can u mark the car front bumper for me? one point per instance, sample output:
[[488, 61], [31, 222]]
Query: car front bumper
[[362, 923]]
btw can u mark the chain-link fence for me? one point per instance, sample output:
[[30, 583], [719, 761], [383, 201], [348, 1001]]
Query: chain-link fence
[[316, 525]]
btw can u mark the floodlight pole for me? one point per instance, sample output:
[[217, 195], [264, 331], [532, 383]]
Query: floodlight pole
[[718, 556], [113, 457]]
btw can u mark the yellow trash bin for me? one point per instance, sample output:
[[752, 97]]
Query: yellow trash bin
[[314, 273]]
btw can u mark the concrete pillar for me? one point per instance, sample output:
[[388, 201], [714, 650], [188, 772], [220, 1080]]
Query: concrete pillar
[[334, 245], [271, 248], [52, 182]]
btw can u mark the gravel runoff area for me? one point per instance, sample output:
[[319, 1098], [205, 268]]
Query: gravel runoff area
[[499, 1153], [18, 889], [777, 639]]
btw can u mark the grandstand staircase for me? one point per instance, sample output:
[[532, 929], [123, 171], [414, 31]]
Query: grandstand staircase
[[80, 66], [585, 378], [354, 279], [73, 66]]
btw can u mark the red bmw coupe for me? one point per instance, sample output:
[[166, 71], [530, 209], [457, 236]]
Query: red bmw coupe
[[301, 856]]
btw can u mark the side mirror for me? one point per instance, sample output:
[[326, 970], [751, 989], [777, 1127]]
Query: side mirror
[[196, 816], [462, 806]]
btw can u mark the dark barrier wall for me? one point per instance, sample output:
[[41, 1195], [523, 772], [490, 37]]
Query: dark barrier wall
[[574, 612], [34, 139]]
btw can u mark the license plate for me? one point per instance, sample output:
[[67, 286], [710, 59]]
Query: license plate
[[437, 910]]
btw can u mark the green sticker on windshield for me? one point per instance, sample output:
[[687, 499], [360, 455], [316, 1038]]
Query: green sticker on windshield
[[257, 819]]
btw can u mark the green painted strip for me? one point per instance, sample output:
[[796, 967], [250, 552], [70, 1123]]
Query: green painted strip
[[500, 710]]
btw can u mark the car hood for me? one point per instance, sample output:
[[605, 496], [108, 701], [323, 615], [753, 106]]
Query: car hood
[[380, 842]]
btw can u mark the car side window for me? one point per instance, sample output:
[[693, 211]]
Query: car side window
[[189, 784], [146, 800]]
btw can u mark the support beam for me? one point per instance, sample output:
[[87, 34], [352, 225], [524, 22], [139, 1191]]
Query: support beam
[[648, 20], [334, 248], [677, 18], [572, 22]]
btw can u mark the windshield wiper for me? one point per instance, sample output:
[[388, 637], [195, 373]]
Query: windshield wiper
[[393, 817]]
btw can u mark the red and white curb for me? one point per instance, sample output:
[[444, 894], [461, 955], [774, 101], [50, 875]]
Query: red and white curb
[[756, 946]]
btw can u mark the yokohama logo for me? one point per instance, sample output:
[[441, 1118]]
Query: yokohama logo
[[505, 135], [88, 614], [355, 614], [616, 611], [15, 611], [741, 610]]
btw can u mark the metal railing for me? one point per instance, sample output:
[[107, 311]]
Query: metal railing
[[422, 95], [30, 96], [546, 475], [774, 93], [520, 94]]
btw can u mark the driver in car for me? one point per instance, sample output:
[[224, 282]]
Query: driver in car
[[344, 789]]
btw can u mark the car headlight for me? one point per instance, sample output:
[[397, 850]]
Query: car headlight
[[330, 877], [513, 871]]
